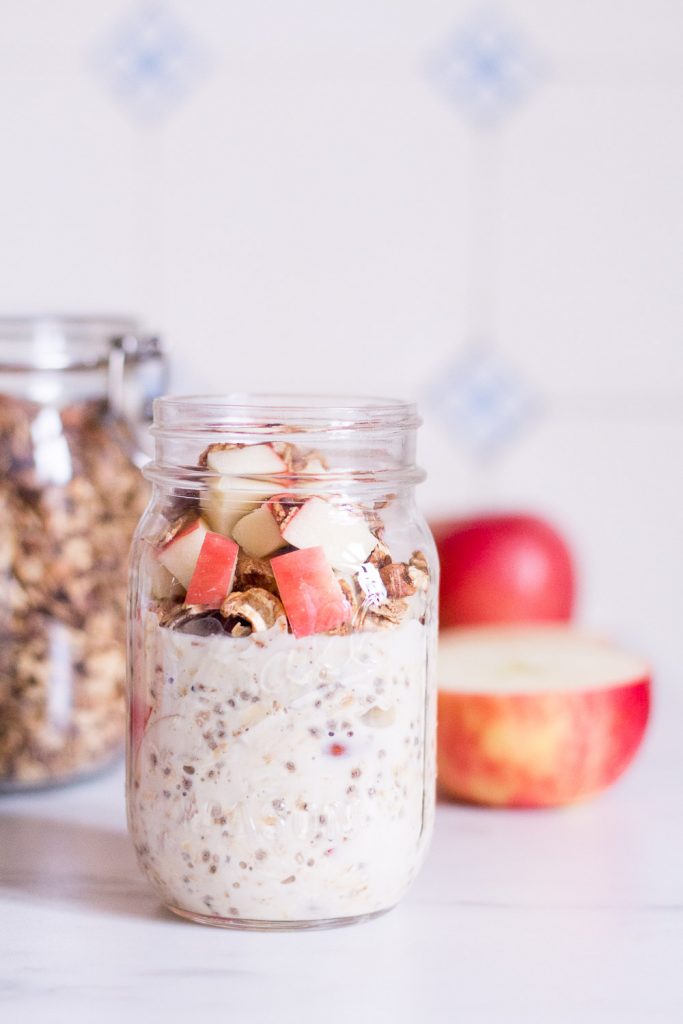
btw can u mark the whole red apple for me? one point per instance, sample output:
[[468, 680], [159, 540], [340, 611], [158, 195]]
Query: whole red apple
[[503, 568]]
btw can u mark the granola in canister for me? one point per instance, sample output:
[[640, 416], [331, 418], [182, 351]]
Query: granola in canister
[[69, 502]]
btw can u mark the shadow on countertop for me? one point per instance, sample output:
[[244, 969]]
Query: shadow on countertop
[[85, 866]]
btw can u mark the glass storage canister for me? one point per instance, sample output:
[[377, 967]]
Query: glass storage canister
[[282, 632], [72, 393]]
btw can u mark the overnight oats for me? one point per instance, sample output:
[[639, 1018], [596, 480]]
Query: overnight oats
[[281, 654]]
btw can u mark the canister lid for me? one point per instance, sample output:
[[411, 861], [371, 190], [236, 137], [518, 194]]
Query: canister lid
[[59, 342]]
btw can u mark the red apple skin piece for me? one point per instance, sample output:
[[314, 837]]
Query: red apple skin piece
[[503, 568], [140, 712], [310, 592], [538, 750], [214, 572]]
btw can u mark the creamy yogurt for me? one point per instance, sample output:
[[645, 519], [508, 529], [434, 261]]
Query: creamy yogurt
[[283, 779]]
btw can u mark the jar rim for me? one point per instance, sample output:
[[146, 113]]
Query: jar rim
[[380, 428], [274, 411]]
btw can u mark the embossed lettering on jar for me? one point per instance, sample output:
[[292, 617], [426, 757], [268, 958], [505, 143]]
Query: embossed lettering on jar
[[281, 659]]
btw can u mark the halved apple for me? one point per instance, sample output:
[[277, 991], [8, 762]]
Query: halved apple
[[310, 592], [536, 717], [214, 572]]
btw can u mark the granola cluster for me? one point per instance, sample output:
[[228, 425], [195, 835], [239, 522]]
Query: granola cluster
[[70, 498], [288, 556]]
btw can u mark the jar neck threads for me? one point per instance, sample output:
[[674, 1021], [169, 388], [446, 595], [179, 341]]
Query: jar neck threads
[[363, 442]]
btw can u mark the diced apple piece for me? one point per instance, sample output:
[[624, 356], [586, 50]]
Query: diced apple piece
[[249, 460], [310, 592], [214, 572], [162, 583], [344, 536], [180, 555], [258, 534], [228, 499], [233, 494]]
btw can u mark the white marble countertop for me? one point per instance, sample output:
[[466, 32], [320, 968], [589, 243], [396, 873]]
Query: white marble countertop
[[569, 916]]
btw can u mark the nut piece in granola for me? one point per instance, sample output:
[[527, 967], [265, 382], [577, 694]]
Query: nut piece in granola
[[283, 507], [380, 555], [418, 570], [382, 616], [397, 579], [254, 572], [254, 610]]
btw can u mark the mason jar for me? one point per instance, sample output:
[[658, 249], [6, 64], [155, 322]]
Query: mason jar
[[72, 398], [282, 629]]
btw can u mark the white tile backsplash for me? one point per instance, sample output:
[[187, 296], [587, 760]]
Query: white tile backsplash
[[311, 210]]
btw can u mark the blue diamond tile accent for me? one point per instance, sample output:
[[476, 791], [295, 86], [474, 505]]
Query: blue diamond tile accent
[[150, 61], [486, 68], [481, 401]]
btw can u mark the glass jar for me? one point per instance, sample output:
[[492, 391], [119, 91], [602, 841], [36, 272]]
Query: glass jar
[[72, 393], [282, 634]]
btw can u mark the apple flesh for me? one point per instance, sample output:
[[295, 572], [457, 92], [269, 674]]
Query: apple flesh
[[344, 536], [258, 534], [248, 460], [233, 494], [180, 555], [310, 592], [228, 499], [162, 584], [214, 572], [536, 716], [503, 568]]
